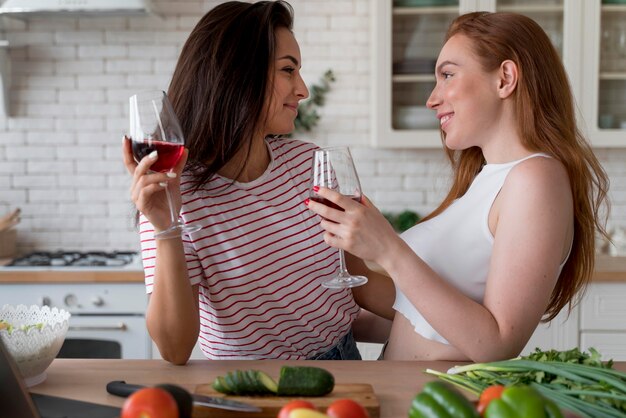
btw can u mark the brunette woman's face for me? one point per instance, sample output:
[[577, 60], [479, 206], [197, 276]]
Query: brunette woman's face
[[288, 87], [465, 96]]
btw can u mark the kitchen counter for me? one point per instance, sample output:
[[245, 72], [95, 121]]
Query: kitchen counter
[[126, 274], [607, 269], [395, 383], [610, 269], [84, 275]]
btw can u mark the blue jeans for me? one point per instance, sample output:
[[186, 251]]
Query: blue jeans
[[345, 349]]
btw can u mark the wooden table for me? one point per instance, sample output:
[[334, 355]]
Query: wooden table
[[395, 382]]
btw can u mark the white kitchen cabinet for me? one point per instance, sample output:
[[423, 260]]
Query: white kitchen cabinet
[[590, 36], [559, 334], [603, 71], [599, 321]]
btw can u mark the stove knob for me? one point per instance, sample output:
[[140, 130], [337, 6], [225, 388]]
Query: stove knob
[[97, 301], [71, 300], [45, 301]]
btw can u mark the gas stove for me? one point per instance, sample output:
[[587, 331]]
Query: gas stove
[[77, 259]]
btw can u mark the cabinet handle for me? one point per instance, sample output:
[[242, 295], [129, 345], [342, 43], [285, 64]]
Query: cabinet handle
[[119, 327]]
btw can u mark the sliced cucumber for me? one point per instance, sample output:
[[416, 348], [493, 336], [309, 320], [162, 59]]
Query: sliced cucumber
[[294, 381], [267, 382], [305, 381], [249, 382], [221, 383], [232, 383]]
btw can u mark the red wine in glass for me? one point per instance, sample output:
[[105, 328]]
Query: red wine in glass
[[331, 204], [169, 153], [155, 127], [334, 169]]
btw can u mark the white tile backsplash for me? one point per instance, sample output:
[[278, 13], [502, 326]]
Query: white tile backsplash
[[60, 150]]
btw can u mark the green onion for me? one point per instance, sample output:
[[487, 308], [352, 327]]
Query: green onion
[[574, 380]]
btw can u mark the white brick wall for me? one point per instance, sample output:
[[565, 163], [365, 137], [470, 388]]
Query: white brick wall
[[60, 149]]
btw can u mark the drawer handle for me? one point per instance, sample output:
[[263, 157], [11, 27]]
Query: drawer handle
[[119, 327]]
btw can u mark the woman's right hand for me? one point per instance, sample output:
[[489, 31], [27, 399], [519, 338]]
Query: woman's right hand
[[147, 190]]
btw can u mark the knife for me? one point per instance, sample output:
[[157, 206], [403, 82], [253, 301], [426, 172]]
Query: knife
[[121, 388]]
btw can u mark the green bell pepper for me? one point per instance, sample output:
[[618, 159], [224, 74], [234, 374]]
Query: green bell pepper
[[522, 402], [440, 400]]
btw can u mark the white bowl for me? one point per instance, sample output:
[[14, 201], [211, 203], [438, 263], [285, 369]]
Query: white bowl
[[35, 339], [415, 117]]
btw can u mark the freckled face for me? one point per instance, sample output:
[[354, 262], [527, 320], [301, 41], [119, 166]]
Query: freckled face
[[465, 96], [288, 88]]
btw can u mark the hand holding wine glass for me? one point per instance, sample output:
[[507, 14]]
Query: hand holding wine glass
[[333, 168], [154, 127]]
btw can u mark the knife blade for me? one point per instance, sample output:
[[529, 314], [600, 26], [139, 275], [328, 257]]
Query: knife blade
[[123, 389]]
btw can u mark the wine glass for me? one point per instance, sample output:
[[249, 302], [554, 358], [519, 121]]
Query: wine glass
[[334, 169], [155, 127]]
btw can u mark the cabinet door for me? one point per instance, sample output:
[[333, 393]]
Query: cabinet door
[[559, 334], [603, 308], [406, 42], [407, 37], [603, 66], [610, 345]]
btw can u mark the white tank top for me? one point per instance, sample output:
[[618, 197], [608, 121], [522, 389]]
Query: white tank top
[[457, 244]]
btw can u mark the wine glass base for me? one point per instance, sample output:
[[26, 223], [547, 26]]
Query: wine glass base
[[176, 231], [344, 282]]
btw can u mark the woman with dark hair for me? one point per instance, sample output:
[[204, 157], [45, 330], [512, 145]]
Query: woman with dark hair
[[247, 285], [513, 241]]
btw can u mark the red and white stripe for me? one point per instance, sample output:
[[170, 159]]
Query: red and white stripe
[[259, 260]]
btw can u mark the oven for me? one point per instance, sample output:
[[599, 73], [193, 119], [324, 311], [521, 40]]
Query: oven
[[108, 309]]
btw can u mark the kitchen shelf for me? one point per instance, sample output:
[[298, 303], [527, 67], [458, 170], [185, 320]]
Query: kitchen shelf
[[614, 8], [532, 8], [412, 11], [413, 78], [613, 75]]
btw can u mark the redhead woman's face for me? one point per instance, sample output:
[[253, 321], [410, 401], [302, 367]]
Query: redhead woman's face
[[465, 96], [288, 88]]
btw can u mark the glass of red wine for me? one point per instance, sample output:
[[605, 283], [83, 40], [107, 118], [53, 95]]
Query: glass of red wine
[[334, 169], [155, 127]]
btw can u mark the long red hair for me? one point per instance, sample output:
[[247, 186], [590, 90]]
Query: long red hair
[[546, 122]]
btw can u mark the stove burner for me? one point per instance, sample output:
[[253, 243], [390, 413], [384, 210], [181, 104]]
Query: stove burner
[[75, 259]]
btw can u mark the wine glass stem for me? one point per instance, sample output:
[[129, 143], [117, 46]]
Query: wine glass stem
[[343, 272], [170, 203]]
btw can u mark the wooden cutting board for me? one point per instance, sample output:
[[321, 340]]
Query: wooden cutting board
[[361, 393]]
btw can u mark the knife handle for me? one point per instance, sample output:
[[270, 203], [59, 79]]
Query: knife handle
[[121, 388]]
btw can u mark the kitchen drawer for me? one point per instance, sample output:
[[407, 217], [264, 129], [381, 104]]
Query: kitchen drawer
[[559, 334], [79, 298], [603, 307], [612, 345]]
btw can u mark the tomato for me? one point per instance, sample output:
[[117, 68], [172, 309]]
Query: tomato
[[346, 408], [289, 406], [488, 395], [306, 413], [150, 403]]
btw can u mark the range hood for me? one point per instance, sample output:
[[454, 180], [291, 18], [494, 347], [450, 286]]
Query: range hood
[[27, 8]]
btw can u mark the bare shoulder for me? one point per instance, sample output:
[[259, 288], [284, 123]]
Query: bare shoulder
[[539, 175]]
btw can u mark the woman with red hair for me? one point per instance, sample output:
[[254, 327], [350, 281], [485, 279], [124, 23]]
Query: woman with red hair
[[513, 241]]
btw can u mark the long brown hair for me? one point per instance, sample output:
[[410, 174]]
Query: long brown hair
[[546, 122], [220, 84]]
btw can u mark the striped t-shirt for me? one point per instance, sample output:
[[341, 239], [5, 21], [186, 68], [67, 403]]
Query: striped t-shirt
[[259, 260]]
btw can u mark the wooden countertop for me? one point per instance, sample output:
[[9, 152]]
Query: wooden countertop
[[71, 276], [610, 269], [78, 275], [395, 383], [607, 269]]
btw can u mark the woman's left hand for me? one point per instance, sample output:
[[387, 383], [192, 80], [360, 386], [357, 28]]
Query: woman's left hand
[[359, 229]]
